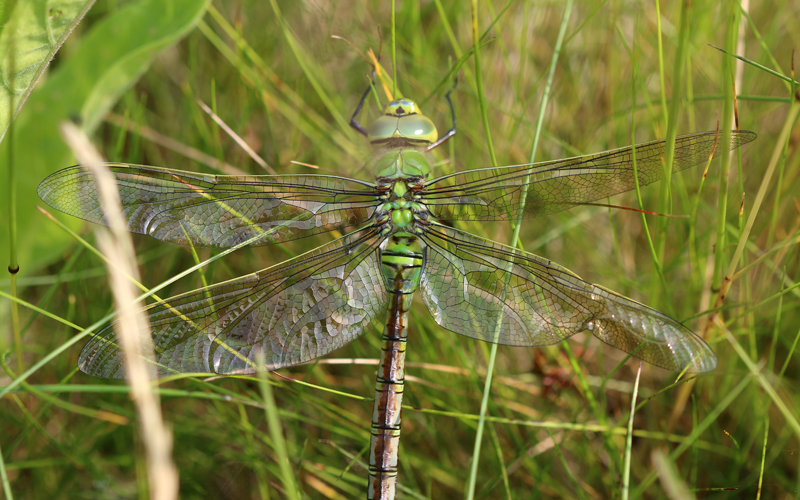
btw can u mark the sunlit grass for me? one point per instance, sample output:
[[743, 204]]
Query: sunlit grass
[[557, 418]]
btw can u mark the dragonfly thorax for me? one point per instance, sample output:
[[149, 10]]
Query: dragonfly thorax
[[402, 215], [401, 176], [402, 124], [400, 163]]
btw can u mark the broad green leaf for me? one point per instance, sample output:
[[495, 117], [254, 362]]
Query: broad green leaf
[[107, 62], [32, 33]]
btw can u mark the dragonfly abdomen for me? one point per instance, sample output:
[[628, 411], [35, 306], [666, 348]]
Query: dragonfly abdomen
[[386, 414], [401, 263]]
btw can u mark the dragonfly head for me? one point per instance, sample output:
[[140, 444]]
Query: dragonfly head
[[402, 124]]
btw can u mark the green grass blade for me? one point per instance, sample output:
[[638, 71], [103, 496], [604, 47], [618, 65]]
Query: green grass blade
[[634, 56], [772, 72], [727, 117], [763, 458], [626, 477], [13, 263], [276, 433], [661, 69], [672, 119], [473, 475]]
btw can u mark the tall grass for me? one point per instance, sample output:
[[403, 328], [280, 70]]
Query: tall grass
[[557, 417]]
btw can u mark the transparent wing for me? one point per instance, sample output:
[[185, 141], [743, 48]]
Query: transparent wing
[[492, 292], [217, 211], [552, 186], [294, 312]]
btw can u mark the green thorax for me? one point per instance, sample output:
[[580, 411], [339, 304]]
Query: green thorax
[[400, 163], [400, 175]]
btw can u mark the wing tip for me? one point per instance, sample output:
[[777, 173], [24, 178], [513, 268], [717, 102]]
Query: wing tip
[[742, 137], [704, 362], [48, 189]]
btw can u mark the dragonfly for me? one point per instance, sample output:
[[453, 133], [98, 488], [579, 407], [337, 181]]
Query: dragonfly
[[399, 239]]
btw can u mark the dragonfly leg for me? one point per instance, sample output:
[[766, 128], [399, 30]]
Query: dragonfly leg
[[353, 122], [450, 133]]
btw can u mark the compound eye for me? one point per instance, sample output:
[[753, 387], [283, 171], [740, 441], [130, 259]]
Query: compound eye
[[418, 128]]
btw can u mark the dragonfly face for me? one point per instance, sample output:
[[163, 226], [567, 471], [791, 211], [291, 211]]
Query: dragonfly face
[[402, 124]]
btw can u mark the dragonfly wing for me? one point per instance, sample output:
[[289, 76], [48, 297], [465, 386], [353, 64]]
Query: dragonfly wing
[[294, 312], [217, 211], [488, 291], [544, 188]]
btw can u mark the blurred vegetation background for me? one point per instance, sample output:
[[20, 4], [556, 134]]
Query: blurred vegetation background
[[274, 74]]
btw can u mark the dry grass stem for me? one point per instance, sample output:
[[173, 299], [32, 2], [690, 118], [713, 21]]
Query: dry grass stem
[[132, 328]]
